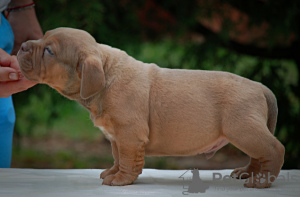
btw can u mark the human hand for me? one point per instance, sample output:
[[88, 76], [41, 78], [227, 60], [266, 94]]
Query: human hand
[[24, 24], [11, 78]]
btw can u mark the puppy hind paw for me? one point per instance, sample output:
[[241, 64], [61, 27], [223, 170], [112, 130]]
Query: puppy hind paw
[[240, 173], [257, 183], [246, 172]]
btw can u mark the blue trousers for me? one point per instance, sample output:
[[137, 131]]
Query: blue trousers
[[7, 112]]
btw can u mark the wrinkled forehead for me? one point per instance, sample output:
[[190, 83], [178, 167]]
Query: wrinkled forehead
[[71, 40], [70, 36], [69, 33]]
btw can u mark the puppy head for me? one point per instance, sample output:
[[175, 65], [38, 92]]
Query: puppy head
[[68, 60]]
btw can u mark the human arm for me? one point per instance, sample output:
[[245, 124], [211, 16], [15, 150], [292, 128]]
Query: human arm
[[24, 24]]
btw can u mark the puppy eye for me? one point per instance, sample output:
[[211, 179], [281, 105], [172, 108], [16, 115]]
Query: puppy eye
[[48, 50]]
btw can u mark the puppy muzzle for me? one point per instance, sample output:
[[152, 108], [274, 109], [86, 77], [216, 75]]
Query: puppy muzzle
[[25, 58]]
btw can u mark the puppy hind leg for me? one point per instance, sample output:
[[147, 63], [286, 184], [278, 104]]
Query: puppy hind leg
[[252, 168], [257, 142]]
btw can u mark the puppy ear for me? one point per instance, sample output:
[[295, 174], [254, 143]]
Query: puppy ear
[[92, 77]]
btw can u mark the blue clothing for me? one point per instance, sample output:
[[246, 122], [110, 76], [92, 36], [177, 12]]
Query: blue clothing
[[6, 35], [7, 112]]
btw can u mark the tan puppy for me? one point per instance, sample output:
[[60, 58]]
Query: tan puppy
[[143, 109]]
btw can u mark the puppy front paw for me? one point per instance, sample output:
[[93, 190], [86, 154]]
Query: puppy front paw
[[108, 179], [122, 178], [113, 170], [119, 179]]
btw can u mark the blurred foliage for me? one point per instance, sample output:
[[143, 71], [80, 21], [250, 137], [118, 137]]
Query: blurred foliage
[[161, 32], [35, 158]]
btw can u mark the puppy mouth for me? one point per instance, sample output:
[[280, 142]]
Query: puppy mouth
[[25, 61], [26, 65]]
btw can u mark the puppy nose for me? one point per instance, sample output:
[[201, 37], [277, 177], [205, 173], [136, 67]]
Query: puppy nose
[[25, 47]]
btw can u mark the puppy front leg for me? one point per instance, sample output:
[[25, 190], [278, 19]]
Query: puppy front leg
[[115, 168], [131, 162]]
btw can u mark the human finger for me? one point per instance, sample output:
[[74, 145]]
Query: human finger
[[8, 74]]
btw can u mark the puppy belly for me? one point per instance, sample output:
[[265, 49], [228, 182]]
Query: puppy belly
[[186, 149], [209, 153]]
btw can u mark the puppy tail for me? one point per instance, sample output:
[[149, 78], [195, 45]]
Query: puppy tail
[[272, 109]]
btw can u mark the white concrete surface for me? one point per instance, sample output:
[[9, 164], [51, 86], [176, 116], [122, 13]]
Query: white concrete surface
[[86, 183]]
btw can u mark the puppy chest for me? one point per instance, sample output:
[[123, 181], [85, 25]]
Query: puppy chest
[[108, 135]]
